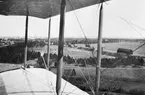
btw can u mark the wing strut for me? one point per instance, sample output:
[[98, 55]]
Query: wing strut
[[60, 47], [26, 38], [98, 65], [48, 45]]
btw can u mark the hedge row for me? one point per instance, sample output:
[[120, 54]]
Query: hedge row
[[106, 62]]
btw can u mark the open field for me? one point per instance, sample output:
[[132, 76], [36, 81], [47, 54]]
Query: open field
[[110, 47], [73, 52], [112, 79], [128, 73], [129, 45]]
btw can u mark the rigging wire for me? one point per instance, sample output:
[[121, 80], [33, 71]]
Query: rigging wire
[[113, 64], [129, 23], [123, 57], [44, 63], [37, 78], [140, 75], [139, 47], [136, 31], [131, 26], [78, 21], [89, 77], [133, 50], [67, 81], [85, 78], [86, 41]]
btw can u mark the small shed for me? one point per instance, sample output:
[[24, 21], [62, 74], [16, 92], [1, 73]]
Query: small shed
[[125, 51]]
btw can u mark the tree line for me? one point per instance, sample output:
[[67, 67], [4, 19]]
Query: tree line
[[15, 54], [105, 62]]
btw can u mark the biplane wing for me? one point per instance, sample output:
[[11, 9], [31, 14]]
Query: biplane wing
[[41, 8]]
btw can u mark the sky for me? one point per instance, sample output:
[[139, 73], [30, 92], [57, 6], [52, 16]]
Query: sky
[[113, 24]]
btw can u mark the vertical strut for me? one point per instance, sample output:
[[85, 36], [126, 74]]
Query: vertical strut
[[26, 39], [99, 50], [60, 47], [48, 46]]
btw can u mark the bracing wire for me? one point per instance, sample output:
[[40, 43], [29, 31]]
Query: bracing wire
[[132, 26], [75, 89], [123, 58], [44, 63], [134, 49], [78, 21], [139, 47], [132, 23], [113, 64], [67, 81], [140, 75], [89, 78], [85, 78], [35, 77], [86, 40], [71, 92]]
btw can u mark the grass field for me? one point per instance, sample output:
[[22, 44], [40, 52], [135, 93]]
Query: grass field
[[129, 73], [111, 47], [113, 79], [128, 45], [73, 52]]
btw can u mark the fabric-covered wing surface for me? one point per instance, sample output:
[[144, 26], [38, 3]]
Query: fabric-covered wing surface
[[41, 8], [34, 81]]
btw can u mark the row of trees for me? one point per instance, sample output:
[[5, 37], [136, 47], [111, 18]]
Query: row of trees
[[106, 62], [93, 40], [36, 43], [15, 54]]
